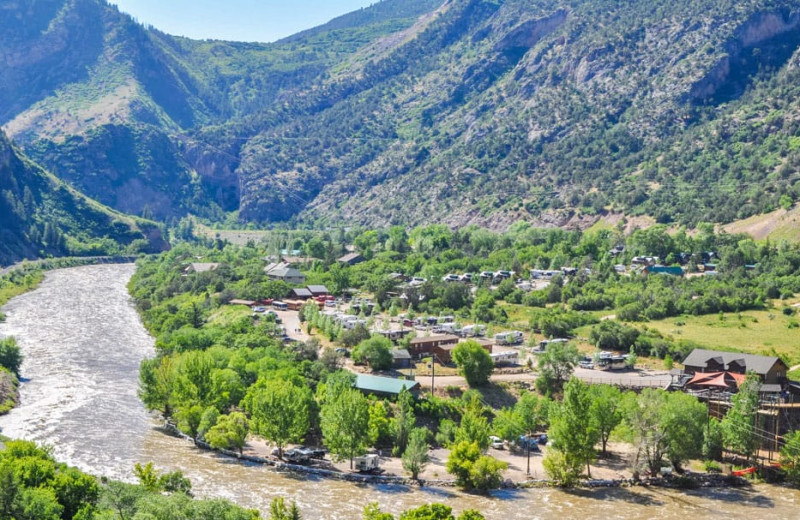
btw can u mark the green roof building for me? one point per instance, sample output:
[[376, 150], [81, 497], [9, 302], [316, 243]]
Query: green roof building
[[384, 386]]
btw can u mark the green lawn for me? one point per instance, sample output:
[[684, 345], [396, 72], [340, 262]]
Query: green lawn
[[753, 332]]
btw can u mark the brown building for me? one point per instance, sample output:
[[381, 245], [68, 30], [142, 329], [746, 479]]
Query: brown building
[[444, 353], [424, 346], [770, 368]]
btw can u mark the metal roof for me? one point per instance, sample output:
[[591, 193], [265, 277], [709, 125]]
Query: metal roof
[[428, 339], [317, 289], [758, 364], [383, 385], [400, 353]]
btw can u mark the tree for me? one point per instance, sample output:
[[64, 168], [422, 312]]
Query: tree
[[605, 410], [345, 424], [156, 378], [351, 338], [473, 470], [531, 412], [375, 351], [790, 457], [230, 432], [571, 427], [379, 425], [741, 422], [474, 426], [556, 365], [279, 511], [280, 411], [403, 421], [10, 356], [473, 362], [664, 425], [415, 456]]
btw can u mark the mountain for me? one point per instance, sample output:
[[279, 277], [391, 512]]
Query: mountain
[[41, 216], [484, 112]]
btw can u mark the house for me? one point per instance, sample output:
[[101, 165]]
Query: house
[[199, 267], [384, 386], [300, 294], [424, 346], [284, 273], [351, 259], [318, 290], [401, 358], [298, 260], [771, 369], [444, 352]]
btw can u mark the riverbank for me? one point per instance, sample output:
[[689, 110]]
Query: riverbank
[[689, 480], [9, 391]]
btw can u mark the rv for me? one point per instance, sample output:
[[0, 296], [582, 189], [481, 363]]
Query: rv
[[505, 358], [514, 337], [473, 331], [280, 306], [545, 342], [367, 464]]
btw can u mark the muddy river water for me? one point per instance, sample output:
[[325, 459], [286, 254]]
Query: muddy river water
[[83, 341]]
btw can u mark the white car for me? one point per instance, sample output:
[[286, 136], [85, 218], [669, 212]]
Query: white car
[[496, 442]]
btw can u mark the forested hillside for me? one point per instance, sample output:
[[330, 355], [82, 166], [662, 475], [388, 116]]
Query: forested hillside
[[457, 111], [40, 216]]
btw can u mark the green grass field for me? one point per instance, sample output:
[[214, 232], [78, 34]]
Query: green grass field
[[752, 332]]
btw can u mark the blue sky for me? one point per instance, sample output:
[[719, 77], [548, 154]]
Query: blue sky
[[240, 20]]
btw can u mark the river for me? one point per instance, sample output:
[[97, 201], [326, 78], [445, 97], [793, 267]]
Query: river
[[83, 341]]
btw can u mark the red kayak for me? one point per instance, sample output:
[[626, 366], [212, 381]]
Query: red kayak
[[743, 472]]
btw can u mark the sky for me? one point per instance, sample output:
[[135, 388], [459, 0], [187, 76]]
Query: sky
[[237, 20]]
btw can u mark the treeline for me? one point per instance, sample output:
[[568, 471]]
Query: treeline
[[34, 486]]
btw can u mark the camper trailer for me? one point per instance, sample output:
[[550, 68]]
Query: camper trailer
[[367, 464], [514, 337], [505, 358]]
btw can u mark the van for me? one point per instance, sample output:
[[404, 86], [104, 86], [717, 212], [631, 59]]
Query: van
[[280, 306]]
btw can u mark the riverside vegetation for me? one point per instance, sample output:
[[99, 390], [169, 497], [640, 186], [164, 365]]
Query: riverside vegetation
[[221, 373]]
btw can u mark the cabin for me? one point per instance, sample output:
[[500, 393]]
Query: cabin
[[300, 294], [318, 290], [284, 273], [425, 346], [444, 353], [771, 369], [201, 267], [384, 386], [401, 358], [351, 259]]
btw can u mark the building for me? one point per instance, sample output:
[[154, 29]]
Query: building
[[401, 358], [771, 369], [199, 267], [424, 346], [444, 352], [300, 294], [318, 290], [384, 386], [393, 335], [351, 259], [674, 270], [284, 273]]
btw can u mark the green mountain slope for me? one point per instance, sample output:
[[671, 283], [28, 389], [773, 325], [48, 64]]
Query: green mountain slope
[[458, 111], [40, 215]]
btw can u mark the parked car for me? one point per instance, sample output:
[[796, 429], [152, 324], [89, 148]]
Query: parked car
[[450, 278], [343, 351], [496, 442], [259, 309]]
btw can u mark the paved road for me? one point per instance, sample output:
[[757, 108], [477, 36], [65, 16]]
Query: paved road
[[291, 322], [626, 379]]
